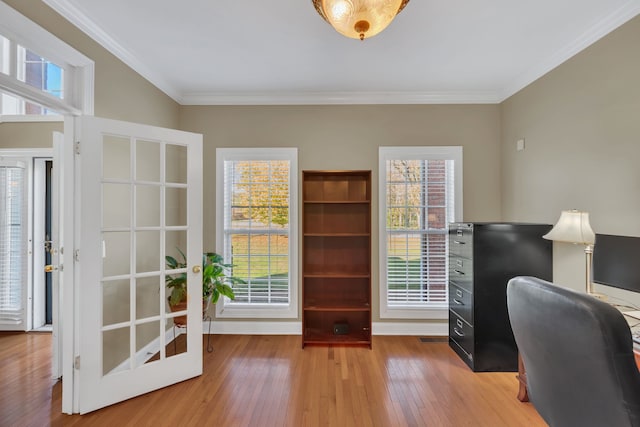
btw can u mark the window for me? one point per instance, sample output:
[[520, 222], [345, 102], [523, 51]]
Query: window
[[257, 230], [420, 194], [48, 77], [13, 244], [33, 70]]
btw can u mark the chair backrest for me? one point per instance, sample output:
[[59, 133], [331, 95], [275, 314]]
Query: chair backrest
[[577, 353]]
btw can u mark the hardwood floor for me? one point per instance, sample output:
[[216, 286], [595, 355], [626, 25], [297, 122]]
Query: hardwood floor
[[270, 381]]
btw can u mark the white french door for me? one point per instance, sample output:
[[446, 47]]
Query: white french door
[[138, 200]]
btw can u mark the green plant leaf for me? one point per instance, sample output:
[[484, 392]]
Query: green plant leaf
[[171, 262]]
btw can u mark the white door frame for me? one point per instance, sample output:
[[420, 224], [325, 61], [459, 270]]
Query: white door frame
[[37, 252], [22, 30]]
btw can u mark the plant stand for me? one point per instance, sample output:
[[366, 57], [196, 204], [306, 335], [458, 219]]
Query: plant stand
[[209, 346], [206, 318]]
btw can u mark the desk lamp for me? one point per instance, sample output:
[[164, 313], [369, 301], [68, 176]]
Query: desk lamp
[[573, 227]]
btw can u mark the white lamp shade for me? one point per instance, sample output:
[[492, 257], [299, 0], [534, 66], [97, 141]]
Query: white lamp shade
[[572, 227]]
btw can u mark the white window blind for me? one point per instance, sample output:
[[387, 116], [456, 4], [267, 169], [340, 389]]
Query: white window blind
[[13, 242], [419, 188], [419, 207], [257, 226]]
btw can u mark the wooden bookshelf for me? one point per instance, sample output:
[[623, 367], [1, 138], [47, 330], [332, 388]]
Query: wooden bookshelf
[[336, 251]]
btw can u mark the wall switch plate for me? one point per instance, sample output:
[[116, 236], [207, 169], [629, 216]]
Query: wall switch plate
[[520, 145]]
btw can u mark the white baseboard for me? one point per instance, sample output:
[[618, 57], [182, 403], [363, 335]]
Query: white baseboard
[[431, 328], [231, 327]]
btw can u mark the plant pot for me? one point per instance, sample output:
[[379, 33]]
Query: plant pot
[[179, 320]]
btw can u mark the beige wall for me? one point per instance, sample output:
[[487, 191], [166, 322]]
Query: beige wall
[[348, 137], [28, 135], [581, 123]]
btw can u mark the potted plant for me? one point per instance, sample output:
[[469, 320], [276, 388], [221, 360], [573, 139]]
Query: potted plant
[[215, 282]]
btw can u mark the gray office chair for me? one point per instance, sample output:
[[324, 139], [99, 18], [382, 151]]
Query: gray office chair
[[577, 353]]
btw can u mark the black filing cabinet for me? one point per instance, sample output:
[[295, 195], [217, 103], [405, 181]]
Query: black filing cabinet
[[482, 259]]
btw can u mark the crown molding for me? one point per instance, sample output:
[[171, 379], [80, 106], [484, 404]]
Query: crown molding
[[339, 98], [609, 23], [78, 18], [603, 27]]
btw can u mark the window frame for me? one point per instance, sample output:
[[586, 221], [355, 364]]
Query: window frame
[[78, 69], [411, 153], [261, 311]]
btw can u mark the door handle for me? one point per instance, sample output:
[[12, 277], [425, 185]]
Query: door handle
[[196, 269], [49, 268]]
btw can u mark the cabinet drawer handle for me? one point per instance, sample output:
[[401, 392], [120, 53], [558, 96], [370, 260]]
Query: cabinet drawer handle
[[458, 242], [459, 323], [458, 272], [458, 293], [458, 333], [457, 302]]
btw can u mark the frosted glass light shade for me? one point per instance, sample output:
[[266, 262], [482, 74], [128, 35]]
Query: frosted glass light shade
[[358, 19], [572, 227]]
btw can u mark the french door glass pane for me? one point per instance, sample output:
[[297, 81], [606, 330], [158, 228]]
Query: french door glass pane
[[116, 296], [116, 154], [176, 161], [115, 350], [147, 205], [147, 161], [116, 202], [176, 202], [138, 205], [148, 251], [147, 291], [116, 256]]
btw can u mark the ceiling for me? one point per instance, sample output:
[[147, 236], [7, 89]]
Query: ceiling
[[281, 52]]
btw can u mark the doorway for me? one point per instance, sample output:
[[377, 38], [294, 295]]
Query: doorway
[[23, 295], [42, 303]]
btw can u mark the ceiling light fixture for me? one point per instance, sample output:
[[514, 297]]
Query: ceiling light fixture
[[358, 19]]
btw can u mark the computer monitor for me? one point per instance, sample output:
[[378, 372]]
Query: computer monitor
[[616, 261]]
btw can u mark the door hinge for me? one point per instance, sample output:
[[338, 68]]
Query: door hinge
[[77, 255], [76, 362], [77, 147]]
